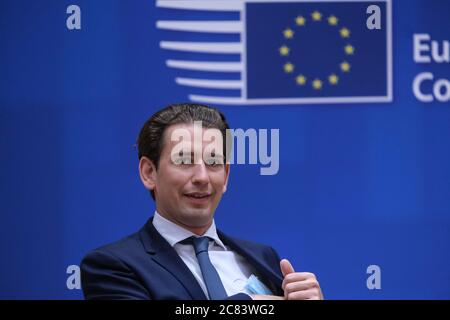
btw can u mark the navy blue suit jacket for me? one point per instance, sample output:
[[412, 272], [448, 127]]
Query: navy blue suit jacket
[[144, 266]]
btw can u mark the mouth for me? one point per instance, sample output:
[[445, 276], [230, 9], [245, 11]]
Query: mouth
[[198, 197]]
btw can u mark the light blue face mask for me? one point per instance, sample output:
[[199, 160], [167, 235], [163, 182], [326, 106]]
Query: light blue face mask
[[254, 286]]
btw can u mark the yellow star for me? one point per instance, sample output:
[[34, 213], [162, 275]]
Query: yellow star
[[284, 50], [317, 84], [301, 80], [288, 67], [333, 79], [316, 15], [345, 66], [332, 20], [288, 33], [345, 33], [300, 21], [349, 49]]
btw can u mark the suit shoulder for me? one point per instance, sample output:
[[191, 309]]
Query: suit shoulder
[[117, 249]]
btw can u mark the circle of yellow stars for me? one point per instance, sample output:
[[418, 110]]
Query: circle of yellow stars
[[348, 49]]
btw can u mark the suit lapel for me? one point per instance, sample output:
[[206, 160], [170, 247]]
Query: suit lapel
[[166, 256]]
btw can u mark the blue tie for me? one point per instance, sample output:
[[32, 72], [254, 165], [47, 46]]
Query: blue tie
[[212, 280]]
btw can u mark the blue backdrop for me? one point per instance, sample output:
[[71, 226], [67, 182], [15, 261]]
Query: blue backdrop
[[360, 182]]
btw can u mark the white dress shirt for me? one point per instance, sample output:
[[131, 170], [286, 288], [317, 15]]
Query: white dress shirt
[[233, 269]]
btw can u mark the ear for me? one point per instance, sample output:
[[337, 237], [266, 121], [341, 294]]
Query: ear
[[147, 172], [227, 175]]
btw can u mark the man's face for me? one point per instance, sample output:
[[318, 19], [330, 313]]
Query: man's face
[[188, 183]]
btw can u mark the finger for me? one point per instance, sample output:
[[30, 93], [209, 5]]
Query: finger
[[286, 267], [299, 276], [300, 285], [311, 294]]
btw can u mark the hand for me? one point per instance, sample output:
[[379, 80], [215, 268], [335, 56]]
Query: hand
[[299, 285]]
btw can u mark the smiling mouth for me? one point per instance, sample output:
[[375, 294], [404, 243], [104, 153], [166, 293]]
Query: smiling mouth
[[198, 197]]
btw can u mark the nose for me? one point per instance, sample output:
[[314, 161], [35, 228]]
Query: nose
[[200, 175]]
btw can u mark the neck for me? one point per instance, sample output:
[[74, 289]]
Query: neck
[[197, 230]]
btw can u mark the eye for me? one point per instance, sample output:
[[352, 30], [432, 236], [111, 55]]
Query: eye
[[214, 161], [182, 158], [186, 160]]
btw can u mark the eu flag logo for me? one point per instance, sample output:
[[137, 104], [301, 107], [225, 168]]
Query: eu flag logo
[[290, 52], [315, 50]]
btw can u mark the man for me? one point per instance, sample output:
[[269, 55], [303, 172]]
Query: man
[[179, 253]]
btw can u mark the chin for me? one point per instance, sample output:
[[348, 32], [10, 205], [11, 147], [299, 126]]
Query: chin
[[198, 218]]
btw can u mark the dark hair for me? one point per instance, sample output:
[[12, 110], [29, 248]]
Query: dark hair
[[151, 136]]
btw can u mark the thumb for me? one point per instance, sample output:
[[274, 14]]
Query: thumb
[[286, 267]]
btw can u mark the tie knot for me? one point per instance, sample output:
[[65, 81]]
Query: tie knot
[[200, 244]]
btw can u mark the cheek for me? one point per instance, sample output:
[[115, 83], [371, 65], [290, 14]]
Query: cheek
[[218, 180], [176, 181]]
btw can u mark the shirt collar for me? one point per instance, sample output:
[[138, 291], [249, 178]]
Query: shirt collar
[[174, 233]]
